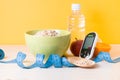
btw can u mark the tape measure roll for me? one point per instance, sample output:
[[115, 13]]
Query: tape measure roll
[[2, 54]]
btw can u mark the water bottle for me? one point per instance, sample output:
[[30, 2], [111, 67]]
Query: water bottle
[[76, 23]]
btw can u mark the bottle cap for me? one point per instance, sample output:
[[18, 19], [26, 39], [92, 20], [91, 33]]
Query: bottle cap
[[75, 6]]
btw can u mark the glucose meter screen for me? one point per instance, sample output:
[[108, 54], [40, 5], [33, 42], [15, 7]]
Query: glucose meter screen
[[88, 43]]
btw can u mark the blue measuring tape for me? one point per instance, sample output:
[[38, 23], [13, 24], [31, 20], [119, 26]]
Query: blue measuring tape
[[106, 56], [53, 59]]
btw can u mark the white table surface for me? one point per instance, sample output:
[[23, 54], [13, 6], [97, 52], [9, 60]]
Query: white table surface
[[103, 70]]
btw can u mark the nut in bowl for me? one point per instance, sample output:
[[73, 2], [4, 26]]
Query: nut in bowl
[[48, 42]]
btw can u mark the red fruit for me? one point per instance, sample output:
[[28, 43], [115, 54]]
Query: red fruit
[[75, 47]]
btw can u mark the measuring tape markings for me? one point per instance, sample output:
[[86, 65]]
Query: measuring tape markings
[[53, 59], [106, 56]]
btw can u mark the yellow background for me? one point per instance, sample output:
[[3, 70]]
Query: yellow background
[[19, 16]]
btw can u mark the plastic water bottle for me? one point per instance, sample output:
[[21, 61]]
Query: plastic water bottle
[[76, 23]]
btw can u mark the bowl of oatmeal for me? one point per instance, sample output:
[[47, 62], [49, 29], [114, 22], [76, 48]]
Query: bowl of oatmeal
[[47, 42]]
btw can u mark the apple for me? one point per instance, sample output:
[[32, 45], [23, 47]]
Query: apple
[[75, 47]]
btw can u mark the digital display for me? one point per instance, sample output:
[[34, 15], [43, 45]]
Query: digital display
[[89, 41]]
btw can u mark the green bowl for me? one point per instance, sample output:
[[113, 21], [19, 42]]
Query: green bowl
[[48, 45]]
